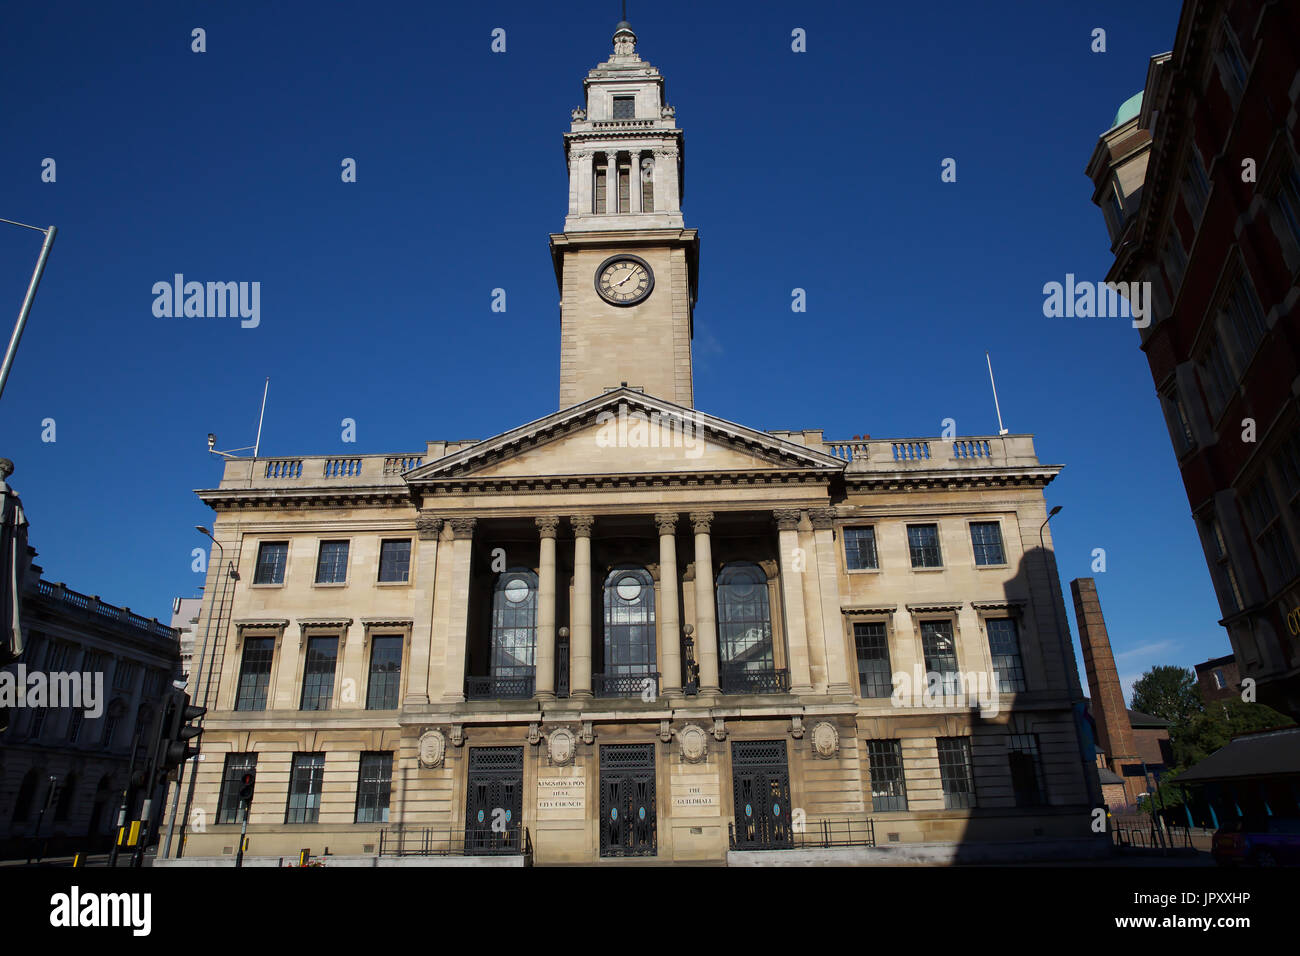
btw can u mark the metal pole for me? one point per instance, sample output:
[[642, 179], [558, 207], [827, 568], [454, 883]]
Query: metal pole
[[126, 799], [207, 686], [36, 836], [243, 834], [258, 444], [996, 406], [27, 302]]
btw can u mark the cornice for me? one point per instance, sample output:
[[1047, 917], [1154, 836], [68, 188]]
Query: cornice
[[234, 499]]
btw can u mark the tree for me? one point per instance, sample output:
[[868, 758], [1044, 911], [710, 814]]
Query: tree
[[1223, 719], [1168, 692]]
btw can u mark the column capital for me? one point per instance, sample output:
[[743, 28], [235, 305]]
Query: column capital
[[666, 522], [547, 525], [428, 526], [822, 518], [463, 527], [582, 525], [786, 519], [701, 520]]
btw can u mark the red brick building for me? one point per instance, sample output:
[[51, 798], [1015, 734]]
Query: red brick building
[[1218, 678], [1200, 188]]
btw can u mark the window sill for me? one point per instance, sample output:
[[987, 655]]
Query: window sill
[[329, 584], [923, 570], [862, 570], [268, 584], [992, 567], [393, 584]]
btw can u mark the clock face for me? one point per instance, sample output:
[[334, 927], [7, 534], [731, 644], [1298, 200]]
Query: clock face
[[624, 280]]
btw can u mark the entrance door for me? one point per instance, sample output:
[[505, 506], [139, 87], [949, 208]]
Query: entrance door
[[760, 779], [494, 800], [628, 823]]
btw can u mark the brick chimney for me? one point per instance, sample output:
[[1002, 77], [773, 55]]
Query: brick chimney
[[1114, 731]]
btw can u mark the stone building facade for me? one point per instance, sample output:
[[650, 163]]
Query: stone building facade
[[1199, 183], [631, 628], [66, 757]]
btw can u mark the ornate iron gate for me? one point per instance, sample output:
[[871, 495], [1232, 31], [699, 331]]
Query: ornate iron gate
[[628, 824], [760, 778], [494, 800]]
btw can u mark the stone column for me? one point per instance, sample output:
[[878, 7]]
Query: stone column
[[545, 657], [427, 529], [794, 564], [670, 621], [828, 575], [583, 177], [660, 196], [706, 625], [672, 195], [580, 631], [462, 530], [611, 182], [634, 181]]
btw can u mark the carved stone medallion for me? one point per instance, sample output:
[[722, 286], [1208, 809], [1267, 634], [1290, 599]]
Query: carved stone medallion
[[433, 747], [693, 743], [825, 740], [561, 743]]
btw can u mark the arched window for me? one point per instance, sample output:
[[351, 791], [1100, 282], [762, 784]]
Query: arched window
[[514, 624], [744, 624], [26, 794], [629, 630]]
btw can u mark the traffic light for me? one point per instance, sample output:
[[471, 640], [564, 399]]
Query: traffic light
[[178, 731], [246, 787]]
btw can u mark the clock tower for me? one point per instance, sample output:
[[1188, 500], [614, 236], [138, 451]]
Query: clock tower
[[626, 266]]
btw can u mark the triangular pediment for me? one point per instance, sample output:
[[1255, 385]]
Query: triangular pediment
[[625, 432]]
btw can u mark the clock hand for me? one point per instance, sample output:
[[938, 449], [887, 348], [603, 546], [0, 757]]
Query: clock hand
[[625, 278]]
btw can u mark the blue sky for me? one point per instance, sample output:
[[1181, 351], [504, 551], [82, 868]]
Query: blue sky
[[817, 170]]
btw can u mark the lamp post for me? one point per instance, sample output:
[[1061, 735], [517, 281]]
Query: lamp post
[[30, 297], [207, 686]]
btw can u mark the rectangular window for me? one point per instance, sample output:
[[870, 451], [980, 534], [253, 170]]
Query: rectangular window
[[110, 730], [38, 722], [874, 669], [123, 676], [923, 542], [1287, 198], [374, 783], [1287, 462], [1180, 429], [1175, 260], [1197, 186], [888, 788], [600, 190], [1004, 648], [385, 672], [1271, 540], [1244, 319], [1218, 680], [1216, 377], [332, 562], [1224, 564], [318, 675], [271, 559], [860, 548], [647, 189], [624, 188], [305, 788], [1027, 780], [255, 673], [395, 560], [940, 656], [1232, 56], [74, 725], [232, 778], [956, 773], [624, 107], [986, 538], [57, 659]]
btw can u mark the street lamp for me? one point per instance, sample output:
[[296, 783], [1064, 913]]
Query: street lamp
[[230, 574], [27, 299]]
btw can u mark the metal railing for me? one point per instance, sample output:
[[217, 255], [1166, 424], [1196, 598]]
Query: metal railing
[[499, 688], [1141, 832], [456, 841], [626, 685], [818, 834], [742, 681]]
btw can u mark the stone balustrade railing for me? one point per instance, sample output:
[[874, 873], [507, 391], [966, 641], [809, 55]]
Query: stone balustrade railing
[[91, 604], [992, 451]]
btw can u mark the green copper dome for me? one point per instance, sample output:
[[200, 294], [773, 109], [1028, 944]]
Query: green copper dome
[[1129, 109]]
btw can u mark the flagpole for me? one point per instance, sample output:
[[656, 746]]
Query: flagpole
[[996, 406], [27, 299], [258, 444]]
